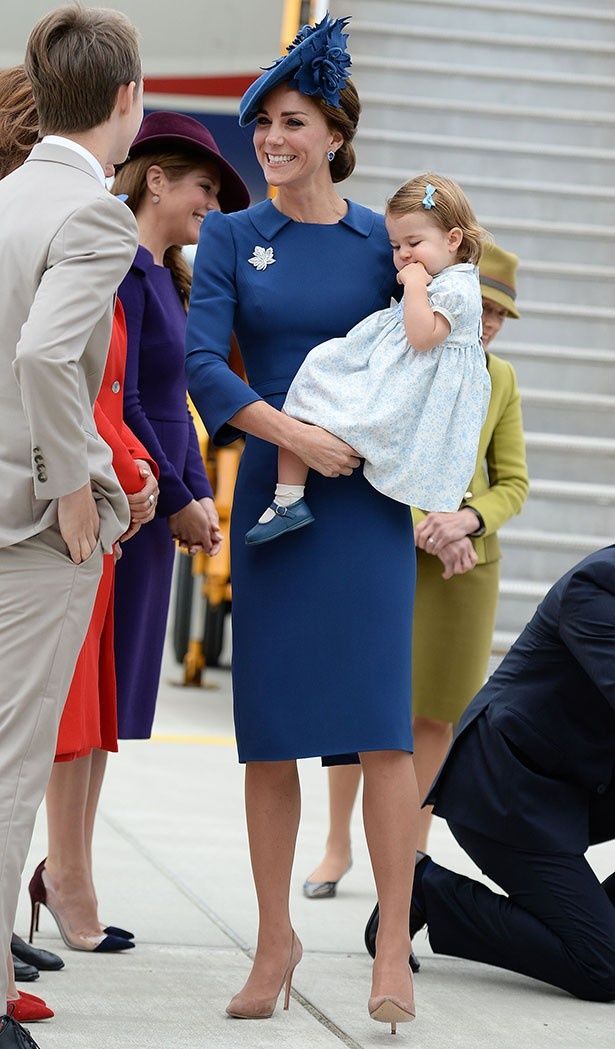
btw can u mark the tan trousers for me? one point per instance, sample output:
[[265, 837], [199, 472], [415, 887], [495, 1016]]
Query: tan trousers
[[46, 603]]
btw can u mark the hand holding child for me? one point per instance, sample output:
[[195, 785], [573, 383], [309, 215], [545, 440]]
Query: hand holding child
[[323, 452]]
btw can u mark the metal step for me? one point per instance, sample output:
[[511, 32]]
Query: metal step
[[576, 21], [568, 323], [480, 48], [535, 555], [569, 458], [551, 240], [577, 414], [515, 198], [501, 157], [587, 286], [502, 641], [519, 599], [523, 123], [556, 5], [500, 83], [568, 505], [576, 370]]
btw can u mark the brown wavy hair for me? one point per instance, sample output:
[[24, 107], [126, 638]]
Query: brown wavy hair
[[131, 179], [77, 59], [344, 119], [451, 208], [18, 119]]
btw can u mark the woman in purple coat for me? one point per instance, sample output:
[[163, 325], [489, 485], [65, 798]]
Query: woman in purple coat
[[175, 175]]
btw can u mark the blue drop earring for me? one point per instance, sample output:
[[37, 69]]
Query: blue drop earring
[[331, 155]]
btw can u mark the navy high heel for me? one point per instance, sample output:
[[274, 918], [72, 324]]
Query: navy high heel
[[103, 944]]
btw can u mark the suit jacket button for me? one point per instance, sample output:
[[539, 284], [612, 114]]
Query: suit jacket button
[[601, 788], [116, 387]]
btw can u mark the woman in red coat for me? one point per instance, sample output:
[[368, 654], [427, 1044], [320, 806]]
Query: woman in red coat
[[88, 730]]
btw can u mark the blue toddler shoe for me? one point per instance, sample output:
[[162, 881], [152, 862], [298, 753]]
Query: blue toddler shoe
[[287, 519]]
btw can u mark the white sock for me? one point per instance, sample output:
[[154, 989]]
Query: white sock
[[285, 495]]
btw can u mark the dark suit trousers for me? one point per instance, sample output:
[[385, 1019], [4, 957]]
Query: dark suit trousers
[[556, 923]]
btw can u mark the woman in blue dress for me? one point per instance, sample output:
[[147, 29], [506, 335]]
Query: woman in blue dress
[[321, 624]]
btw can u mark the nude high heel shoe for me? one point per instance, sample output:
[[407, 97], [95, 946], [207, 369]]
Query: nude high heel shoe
[[389, 1009], [242, 1007]]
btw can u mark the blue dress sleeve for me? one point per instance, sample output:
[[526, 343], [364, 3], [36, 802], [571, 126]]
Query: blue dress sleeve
[[217, 392], [195, 474], [450, 299], [174, 494]]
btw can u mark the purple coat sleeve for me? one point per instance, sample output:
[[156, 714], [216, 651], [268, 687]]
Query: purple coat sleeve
[[195, 475], [174, 493], [217, 392]]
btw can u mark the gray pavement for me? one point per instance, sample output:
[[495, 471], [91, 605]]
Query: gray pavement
[[172, 865]]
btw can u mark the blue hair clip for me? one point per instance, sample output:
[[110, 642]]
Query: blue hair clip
[[428, 202]]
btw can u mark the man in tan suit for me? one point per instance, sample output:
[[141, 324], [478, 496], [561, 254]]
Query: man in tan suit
[[65, 245]]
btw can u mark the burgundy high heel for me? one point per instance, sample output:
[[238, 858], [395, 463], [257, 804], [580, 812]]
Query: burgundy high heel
[[38, 897]]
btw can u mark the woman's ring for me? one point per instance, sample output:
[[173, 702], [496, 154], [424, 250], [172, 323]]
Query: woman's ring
[[152, 499], [431, 539]]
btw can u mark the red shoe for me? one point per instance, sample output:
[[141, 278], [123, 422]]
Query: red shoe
[[29, 1009], [32, 997]]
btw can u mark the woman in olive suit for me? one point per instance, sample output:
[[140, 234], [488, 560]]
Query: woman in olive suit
[[458, 557]]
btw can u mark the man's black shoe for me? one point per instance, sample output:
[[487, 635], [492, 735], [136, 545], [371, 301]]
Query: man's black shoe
[[417, 918], [14, 1036], [43, 960], [24, 973]]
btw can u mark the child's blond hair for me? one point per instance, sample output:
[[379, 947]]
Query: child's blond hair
[[450, 208]]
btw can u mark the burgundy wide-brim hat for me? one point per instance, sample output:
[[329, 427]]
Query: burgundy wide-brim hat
[[163, 130]]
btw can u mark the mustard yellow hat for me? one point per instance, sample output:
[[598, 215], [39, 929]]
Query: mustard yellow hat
[[497, 272]]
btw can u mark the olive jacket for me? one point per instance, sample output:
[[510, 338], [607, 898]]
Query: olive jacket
[[500, 483]]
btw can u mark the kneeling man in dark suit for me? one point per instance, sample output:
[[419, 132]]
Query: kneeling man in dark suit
[[528, 785]]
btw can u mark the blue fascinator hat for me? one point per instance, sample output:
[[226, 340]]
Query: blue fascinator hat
[[316, 63]]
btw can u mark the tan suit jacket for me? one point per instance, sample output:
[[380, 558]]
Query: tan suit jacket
[[65, 246]]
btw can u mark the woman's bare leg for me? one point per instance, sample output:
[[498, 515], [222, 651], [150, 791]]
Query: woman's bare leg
[[432, 739], [343, 786], [273, 806], [68, 867], [390, 812], [97, 775]]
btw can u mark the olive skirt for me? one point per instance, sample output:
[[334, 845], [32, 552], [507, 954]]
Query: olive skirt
[[454, 622]]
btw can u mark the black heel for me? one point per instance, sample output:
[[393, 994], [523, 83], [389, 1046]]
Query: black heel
[[34, 920]]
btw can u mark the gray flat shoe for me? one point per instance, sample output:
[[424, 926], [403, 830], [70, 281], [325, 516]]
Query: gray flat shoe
[[323, 890]]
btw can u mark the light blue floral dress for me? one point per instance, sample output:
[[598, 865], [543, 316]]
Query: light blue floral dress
[[414, 417]]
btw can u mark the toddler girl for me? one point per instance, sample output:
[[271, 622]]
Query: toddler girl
[[408, 387]]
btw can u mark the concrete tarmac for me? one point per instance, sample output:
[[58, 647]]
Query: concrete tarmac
[[172, 866]]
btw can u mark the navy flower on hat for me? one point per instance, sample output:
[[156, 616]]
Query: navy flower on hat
[[316, 63], [325, 61]]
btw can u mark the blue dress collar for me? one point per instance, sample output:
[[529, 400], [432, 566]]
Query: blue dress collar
[[268, 221]]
